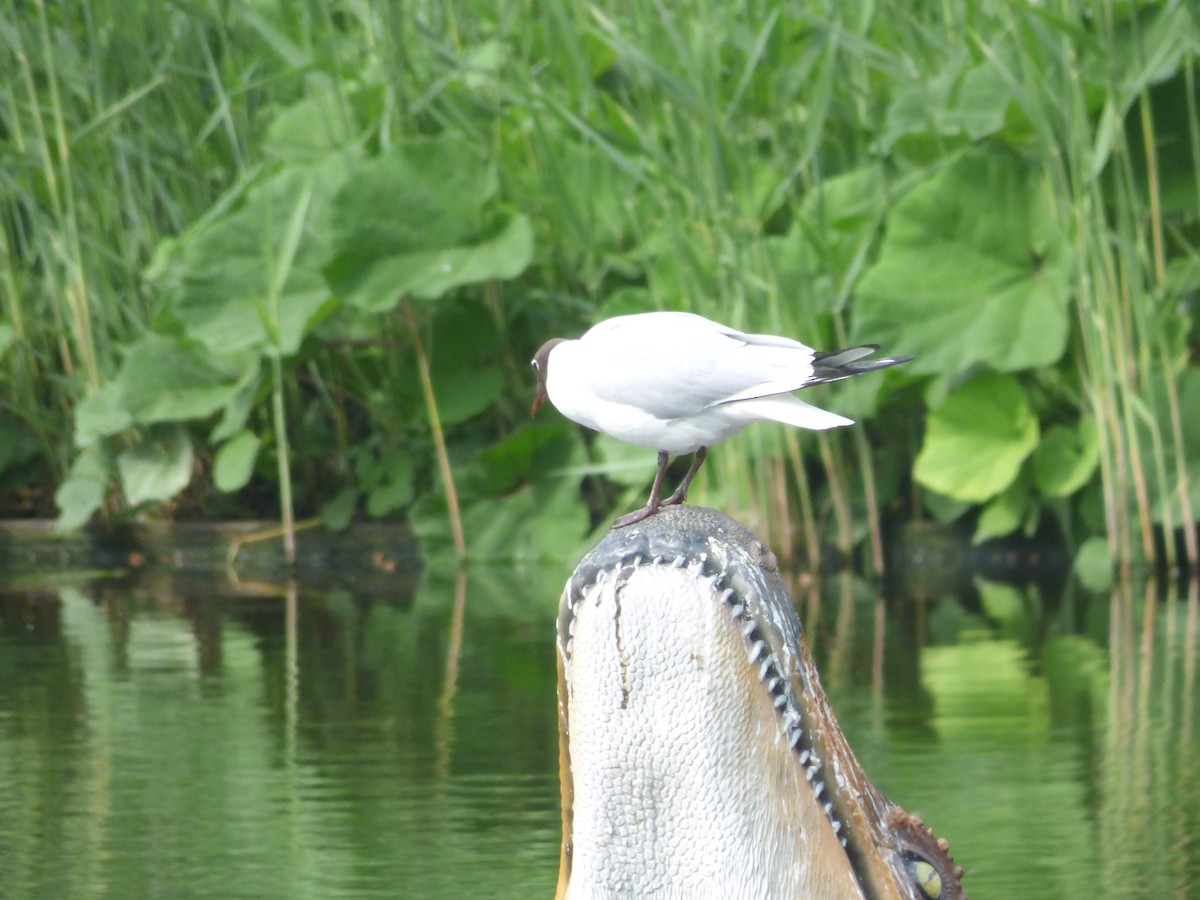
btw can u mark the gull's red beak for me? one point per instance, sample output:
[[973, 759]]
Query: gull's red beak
[[537, 400]]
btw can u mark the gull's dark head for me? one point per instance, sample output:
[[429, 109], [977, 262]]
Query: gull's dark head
[[541, 365]]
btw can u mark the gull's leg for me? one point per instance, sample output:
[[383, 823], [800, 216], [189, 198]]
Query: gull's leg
[[653, 503], [681, 492]]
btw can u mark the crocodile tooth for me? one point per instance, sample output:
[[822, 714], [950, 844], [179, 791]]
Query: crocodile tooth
[[756, 650]]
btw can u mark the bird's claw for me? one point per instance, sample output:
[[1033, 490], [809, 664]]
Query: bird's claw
[[636, 516]]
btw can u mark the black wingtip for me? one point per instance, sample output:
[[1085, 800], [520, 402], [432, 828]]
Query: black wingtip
[[838, 364]]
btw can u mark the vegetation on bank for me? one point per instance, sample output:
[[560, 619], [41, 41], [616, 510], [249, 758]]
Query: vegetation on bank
[[295, 257]]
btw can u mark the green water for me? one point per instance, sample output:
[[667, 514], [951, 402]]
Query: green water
[[185, 739]]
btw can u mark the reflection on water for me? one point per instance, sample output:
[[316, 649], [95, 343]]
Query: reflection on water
[[173, 739]]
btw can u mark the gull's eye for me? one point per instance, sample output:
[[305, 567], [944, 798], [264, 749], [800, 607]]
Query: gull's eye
[[533, 362]]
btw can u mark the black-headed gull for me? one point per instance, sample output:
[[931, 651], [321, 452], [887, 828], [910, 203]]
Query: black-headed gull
[[678, 383]]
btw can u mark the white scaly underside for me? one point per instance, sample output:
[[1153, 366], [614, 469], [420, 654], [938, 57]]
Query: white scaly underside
[[683, 783], [617, 379]]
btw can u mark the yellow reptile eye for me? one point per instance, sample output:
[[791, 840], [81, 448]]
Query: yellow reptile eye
[[926, 875]]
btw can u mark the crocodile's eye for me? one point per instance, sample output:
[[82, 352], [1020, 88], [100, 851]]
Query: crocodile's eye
[[925, 874]]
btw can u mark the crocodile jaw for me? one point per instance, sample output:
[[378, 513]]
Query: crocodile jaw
[[660, 675]]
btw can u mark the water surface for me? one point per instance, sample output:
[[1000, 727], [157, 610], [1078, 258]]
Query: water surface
[[194, 738]]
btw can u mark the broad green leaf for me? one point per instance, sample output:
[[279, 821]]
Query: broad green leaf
[[391, 483], [976, 441], [423, 194], [308, 131], [237, 410], [379, 284], [234, 463], [466, 392], [1066, 458], [944, 510], [981, 101], [510, 462], [158, 468], [338, 512], [82, 493], [413, 223], [253, 276], [162, 380], [832, 230], [1004, 514], [101, 414], [970, 100], [971, 272]]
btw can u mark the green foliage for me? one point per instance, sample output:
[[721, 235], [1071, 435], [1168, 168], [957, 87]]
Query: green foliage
[[337, 239], [252, 277], [410, 223], [958, 288], [158, 467], [234, 462], [1066, 459], [977, 439]]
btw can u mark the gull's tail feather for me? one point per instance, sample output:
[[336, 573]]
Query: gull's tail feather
[[834, 365], [792, 411]]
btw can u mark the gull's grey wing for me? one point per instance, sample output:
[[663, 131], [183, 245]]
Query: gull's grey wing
[[677, 364]]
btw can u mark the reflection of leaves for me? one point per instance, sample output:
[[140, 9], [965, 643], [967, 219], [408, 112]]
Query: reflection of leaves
[[412, 223], [1093, 565], [977, 439], [545, 519], [971, 271]]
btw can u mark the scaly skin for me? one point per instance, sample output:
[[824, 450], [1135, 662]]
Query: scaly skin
[[699, 755]]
